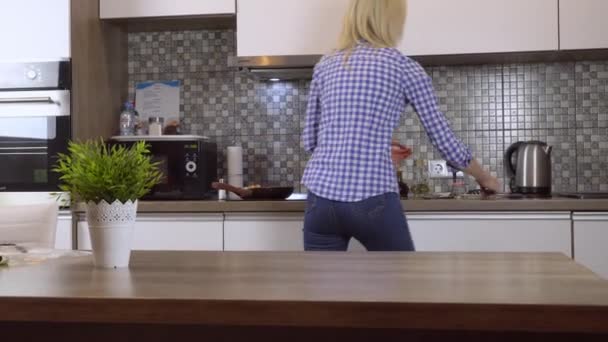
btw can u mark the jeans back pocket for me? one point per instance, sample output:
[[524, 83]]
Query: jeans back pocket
[[372, 208]]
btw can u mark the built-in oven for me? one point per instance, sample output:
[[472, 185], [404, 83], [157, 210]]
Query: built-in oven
[[35, 124]]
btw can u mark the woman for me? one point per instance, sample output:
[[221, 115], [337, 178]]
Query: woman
[[357, 96]]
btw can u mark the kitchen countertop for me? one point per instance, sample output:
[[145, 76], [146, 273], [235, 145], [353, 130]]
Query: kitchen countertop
[[442, 205], [506, 292]]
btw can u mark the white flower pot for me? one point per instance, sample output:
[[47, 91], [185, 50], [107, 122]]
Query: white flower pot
[[111, 229]]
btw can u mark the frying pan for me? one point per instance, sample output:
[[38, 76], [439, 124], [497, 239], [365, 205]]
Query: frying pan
[[270, 193]]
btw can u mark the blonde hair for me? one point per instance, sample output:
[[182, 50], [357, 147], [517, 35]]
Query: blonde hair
[[377, 22]]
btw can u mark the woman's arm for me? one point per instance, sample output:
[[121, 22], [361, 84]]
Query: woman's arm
[[420, 93], [484, 178], [313, 115]]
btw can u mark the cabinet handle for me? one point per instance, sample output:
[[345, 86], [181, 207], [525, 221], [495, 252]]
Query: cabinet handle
[[490, 216], [24, 148], [9, 100], [591, 217]]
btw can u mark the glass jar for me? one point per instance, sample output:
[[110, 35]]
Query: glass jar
[[421, 185], [404, 189], [155, 125], [458, 186]]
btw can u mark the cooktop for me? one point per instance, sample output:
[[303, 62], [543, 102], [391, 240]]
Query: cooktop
[[583, 195]]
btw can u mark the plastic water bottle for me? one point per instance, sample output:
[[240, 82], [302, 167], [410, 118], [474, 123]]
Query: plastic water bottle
[[127, 119]]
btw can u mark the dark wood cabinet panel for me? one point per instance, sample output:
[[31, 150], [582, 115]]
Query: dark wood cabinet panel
[[99, 72]]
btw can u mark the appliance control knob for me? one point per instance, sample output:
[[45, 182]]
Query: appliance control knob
[[191, 166], [31, 74]]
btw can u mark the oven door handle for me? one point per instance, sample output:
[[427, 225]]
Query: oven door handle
[[44, 103], [45, 100]]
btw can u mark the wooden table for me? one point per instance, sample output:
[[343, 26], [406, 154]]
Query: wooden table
[[300, 296]]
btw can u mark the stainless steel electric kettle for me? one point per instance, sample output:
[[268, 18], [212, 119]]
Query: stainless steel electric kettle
[[528, 164]]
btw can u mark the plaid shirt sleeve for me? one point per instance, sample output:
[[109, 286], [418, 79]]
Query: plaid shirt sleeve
[[313, 115], [421, 95]]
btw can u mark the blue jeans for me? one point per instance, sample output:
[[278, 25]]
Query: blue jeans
[[378, 223]]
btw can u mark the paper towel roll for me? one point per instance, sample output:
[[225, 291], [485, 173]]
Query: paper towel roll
[[235, 161], [235, 180]]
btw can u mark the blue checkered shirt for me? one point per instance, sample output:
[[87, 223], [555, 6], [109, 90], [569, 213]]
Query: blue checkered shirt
[[353, 110]]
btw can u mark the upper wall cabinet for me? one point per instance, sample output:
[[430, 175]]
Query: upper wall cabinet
[[446, 27], [583, 24], [115, 9], [434, 27], [283, 28], [35, 30]]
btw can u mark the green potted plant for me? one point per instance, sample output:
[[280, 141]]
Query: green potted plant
[[109, 180]]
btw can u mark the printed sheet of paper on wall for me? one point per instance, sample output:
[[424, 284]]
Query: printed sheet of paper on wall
[[158, 99]]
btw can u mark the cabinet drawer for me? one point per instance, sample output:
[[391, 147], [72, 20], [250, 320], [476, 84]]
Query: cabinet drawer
[[169, 232], [590, 241], [492, 232], [260, 232]]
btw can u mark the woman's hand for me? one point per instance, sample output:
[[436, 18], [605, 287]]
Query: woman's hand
[[489, 183], [399, 153], [484, 178]]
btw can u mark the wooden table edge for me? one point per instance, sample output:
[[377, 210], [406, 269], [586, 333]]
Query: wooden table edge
[[356, 315]]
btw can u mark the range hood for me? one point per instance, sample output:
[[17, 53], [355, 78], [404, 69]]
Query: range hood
[[278, 68]]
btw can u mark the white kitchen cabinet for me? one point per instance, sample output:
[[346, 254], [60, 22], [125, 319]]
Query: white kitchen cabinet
[[268, 232], [64, 236], [283, 28], [583, 24], [492, 232], [202, 232], [591, 241], [446, 27], [35, 30], [263, 232], [433, 27], [114, 9]]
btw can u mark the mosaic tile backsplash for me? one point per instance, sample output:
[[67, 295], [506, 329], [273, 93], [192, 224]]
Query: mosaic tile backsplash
[[489, 107]]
